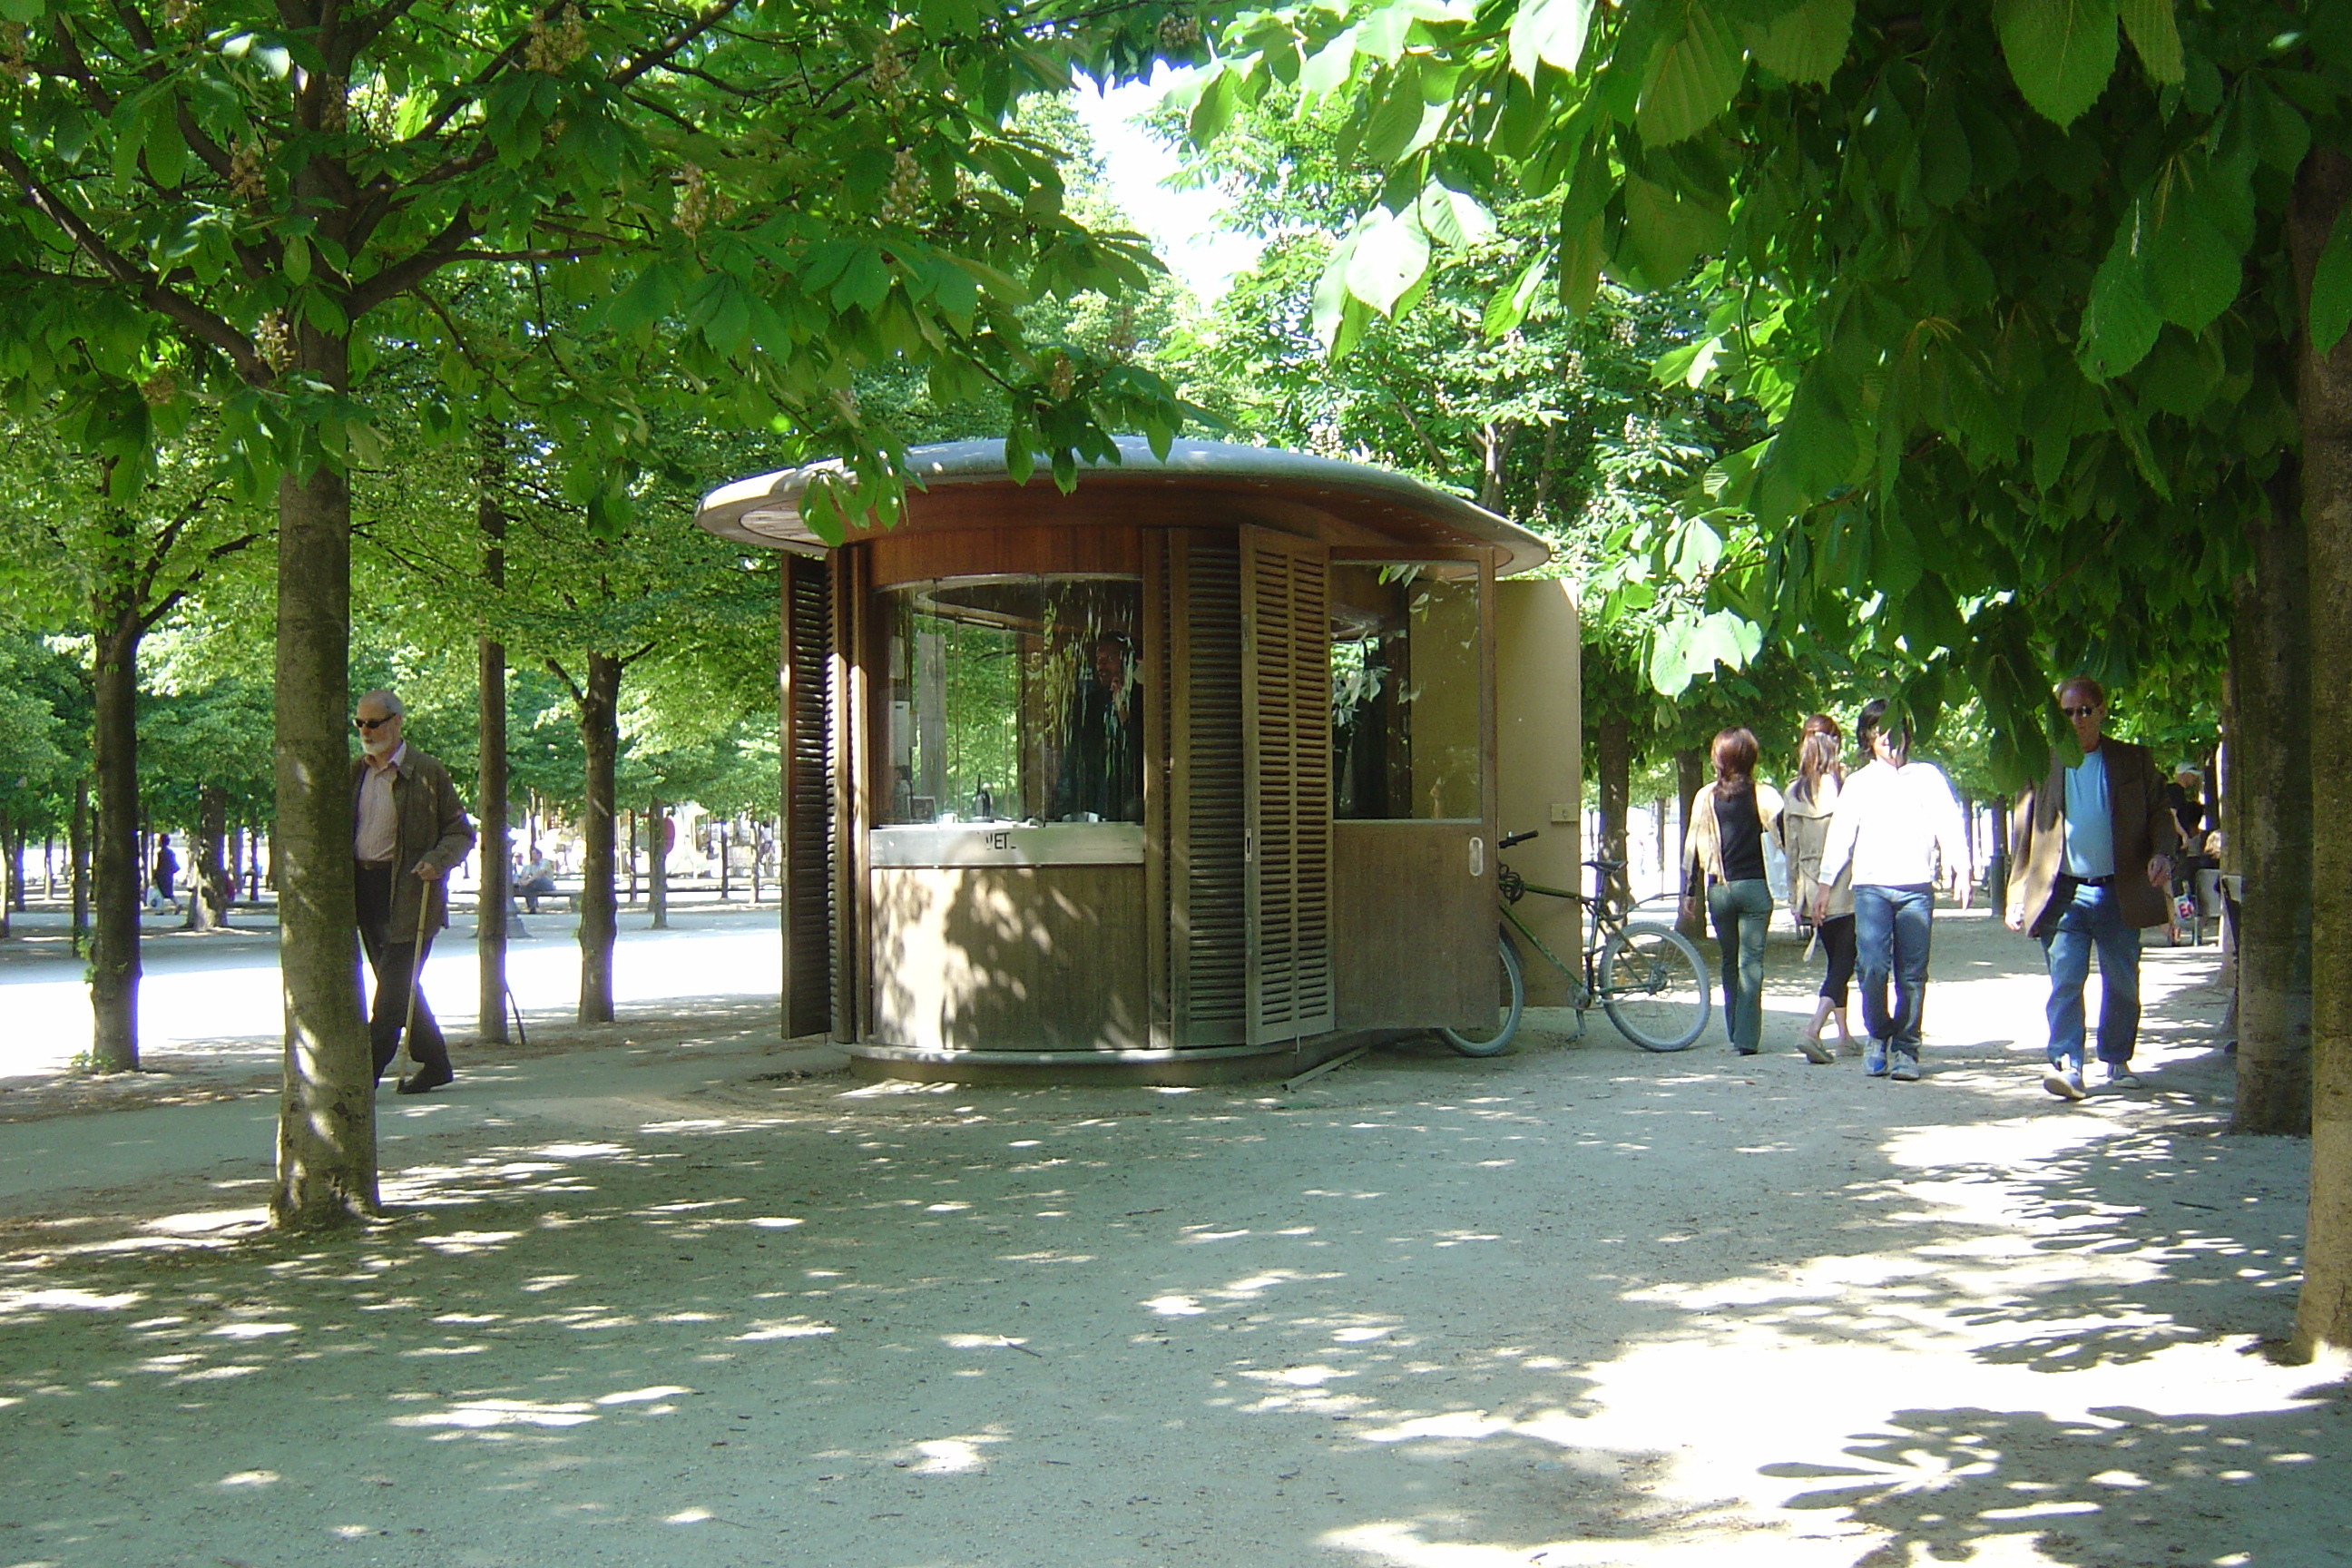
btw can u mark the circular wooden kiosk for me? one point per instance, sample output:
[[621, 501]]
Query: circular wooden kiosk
[[1188, 773]]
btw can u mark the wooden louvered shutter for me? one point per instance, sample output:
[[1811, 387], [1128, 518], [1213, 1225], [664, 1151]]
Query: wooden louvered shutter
[[1208, 937], [811, 963], [1286, 763]]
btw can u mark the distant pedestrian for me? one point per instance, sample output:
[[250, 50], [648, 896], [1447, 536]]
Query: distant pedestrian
[[164, 879], [536, 880], [1804, 830], [408, 828], [1725, 847], [1891, 820], [2093, 850]]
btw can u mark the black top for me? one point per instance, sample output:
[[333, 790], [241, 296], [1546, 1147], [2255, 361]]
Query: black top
[[1741, 834]]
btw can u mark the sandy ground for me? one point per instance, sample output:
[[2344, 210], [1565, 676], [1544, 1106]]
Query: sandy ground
[[687, 1296]]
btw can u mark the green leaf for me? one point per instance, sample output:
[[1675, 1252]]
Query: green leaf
[[864, 281], [2120, 323], [1550, 31], [1665, 230], [1807, 43], [1391, 255], [2200, 274], [1691, 80], [2155, 36], [1581, 253], [2060, 52], [1329, 67], [2330, 311], [1451, 217], [1510, 305]]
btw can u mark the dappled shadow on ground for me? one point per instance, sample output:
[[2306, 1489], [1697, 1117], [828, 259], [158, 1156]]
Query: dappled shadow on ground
[[1578, 1306]]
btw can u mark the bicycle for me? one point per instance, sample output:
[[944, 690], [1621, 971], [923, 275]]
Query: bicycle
[[1650, 980]]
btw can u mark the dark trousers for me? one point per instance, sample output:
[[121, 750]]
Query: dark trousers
[[395, 956], [1891, 929], [1837, 957]]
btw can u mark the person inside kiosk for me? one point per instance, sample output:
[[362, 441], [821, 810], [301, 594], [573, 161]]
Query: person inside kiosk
[[1014, 700]]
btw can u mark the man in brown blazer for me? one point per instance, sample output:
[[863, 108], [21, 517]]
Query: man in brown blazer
[[2091, 850], [408, 828]]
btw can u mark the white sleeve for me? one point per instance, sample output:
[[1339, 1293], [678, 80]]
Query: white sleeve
[[1845, 820], [1952, 830]]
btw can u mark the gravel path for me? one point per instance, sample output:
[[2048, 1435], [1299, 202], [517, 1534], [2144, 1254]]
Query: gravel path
[[686, 1297]]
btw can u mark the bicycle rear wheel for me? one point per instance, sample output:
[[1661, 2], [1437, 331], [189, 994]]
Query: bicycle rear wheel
[[1511, 999], [1654, 985]]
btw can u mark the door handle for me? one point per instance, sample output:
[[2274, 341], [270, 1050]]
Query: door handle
[[1477, 857]]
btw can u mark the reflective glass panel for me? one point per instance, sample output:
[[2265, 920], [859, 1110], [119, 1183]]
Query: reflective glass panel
[[1405, 691], [1014, 700]]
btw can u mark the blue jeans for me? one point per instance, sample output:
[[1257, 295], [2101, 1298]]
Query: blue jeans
[[1742, 913], [2091, 919], [1891, 929]]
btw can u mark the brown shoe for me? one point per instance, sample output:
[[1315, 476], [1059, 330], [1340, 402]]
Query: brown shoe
[[1814, 1051]]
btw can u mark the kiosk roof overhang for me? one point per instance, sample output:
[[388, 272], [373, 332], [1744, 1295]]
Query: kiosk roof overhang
[[765, 510]]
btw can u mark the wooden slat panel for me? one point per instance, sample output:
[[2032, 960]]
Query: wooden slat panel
[[1285, 664], [1414, 931], [1209, 921], [1029, 958], [811, 956]]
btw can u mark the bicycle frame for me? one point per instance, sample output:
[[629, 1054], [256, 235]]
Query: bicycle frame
[[1583, 990]]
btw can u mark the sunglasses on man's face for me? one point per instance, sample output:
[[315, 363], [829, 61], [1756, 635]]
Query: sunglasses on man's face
[[371, 724], [2083, 711]]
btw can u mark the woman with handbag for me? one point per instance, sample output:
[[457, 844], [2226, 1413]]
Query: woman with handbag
[[1803, 829], [1724, 846]]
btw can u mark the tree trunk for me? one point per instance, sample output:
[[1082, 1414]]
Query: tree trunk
[[11, 875], [633, 814], [118, 875], [1613, 749], [326, 1123], [78, 853], [208, 901], [1690, 766], [495, 895], [718, 837], [600, 738], [657, 868], [2323, 404], [2271, 842]]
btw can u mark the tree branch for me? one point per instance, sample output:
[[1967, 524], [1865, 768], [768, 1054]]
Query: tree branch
[[661, 53], [579, 697], [176, 307], [401, 276]]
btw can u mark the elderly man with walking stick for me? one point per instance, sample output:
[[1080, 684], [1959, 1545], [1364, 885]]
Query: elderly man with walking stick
[[408, 830]]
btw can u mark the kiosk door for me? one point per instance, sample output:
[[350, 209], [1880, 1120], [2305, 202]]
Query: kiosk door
[[1413, 806]]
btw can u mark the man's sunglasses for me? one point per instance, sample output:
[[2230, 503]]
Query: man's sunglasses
[[2084, 711], [373, 723]]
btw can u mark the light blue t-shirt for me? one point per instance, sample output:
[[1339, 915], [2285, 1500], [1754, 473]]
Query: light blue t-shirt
[[2090, 827]]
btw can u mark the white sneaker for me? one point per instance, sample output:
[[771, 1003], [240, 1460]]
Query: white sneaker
[[2119, 1075], [2065, 1084]]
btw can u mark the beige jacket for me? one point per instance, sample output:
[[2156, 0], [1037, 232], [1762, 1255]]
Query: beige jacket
[[1704, 843], [1804, 829], [431, 823]]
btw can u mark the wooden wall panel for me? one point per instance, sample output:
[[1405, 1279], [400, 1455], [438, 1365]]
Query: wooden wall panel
[[812, 955], [1412, 929], [1208, 920], [1011, 958], [1287, 756]]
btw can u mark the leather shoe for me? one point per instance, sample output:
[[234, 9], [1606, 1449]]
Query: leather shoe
[[424, 1079]]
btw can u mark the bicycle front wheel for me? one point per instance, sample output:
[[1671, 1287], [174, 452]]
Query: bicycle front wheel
[[1654, 985], [1511, 1003]]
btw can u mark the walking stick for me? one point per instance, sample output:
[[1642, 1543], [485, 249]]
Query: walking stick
[[416, 980]]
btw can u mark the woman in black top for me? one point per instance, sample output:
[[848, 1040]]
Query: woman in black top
[[1724, 845]]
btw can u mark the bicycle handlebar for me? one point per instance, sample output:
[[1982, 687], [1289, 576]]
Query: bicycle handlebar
[[1508, 839]]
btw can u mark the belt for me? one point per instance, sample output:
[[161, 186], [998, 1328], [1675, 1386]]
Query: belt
[[2107, 882]]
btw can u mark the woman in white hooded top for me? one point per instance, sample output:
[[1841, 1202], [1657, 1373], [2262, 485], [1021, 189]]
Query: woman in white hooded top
[[1803, 829]]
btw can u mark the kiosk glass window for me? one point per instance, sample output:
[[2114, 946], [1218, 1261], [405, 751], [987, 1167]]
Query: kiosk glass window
[[1014, 700], [1405, 691]]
